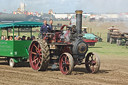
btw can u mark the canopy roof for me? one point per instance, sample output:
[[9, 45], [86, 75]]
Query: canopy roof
[[21, 24]]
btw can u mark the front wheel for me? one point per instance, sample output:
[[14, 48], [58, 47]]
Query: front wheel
[[92, 62], [66, 63]]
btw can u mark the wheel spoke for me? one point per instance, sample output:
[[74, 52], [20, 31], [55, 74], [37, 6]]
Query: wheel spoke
[[66, 60], [36, 47], [40, 58], [33, 53], [66, 69], [93, 69], [39, 61], [33, 58], [89, 62], [34, 61], [37, 64], [39, 50], [40, 54], [65, 63], [62, 62]]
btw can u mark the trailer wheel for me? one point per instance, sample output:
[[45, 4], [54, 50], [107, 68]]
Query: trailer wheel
[[39, 55], [11, 62], [92, 63], [66, 63]]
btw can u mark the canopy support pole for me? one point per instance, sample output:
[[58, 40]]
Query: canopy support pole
[[18, 32], [31, 32], [13, 31], [7, 32], [0, 33]]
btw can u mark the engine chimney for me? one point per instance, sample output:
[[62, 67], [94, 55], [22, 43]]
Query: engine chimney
[[79, 21]]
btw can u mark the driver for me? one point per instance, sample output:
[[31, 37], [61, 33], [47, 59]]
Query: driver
[[44, 28], [50, 24]]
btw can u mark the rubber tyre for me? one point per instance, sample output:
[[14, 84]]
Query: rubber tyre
[[11, 62]]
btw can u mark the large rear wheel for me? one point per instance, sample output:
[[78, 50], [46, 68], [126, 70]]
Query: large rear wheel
[[92, 63], [66, 63], [39, 55]]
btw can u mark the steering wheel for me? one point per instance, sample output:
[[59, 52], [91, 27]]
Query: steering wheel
[[66, 35], [62, 27]]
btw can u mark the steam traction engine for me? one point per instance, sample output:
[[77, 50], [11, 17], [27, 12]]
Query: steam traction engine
[[56, 47]]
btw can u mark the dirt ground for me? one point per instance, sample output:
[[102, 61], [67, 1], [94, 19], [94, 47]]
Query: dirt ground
[[113, 71]]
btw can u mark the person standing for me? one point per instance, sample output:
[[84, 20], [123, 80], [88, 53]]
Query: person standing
[[50, 25], [44, 28]]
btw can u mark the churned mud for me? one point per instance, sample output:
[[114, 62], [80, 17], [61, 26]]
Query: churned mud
[[113, 71]]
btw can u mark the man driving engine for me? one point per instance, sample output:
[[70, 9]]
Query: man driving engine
[[45, 28]]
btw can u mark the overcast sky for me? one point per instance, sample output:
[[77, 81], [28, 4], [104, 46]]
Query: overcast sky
[[68, 6]]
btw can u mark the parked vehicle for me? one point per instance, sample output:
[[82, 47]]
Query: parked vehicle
[[114, 35], [90, 39]]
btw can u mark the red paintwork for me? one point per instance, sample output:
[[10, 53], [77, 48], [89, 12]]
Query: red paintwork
[[56, 37], [66, 49], [86, 40], [35, 61], [63, 27], [90, 42], [64, 68]]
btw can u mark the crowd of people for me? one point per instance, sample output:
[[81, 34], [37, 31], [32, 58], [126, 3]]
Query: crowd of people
[[16, 38]]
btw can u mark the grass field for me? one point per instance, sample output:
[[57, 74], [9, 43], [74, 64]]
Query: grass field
[[105, 48]]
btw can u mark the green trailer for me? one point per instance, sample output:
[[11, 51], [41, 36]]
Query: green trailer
[[16, 50]]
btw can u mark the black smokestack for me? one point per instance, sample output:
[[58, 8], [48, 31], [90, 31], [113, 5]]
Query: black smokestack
[[79, 21]]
